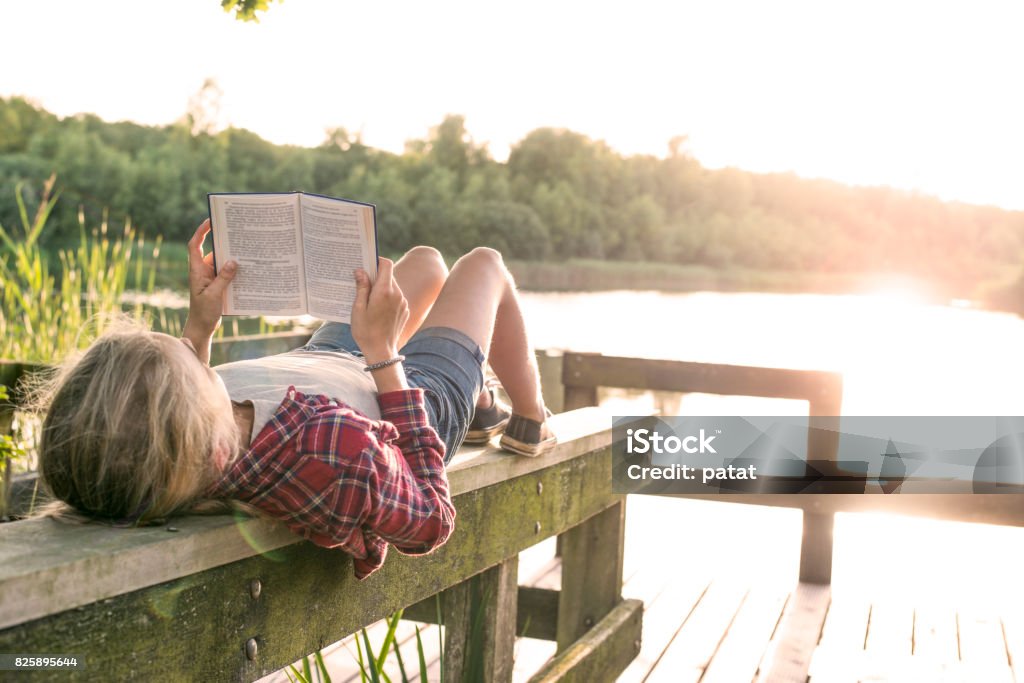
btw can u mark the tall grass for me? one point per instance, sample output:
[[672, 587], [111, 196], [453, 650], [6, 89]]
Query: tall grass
[[46, 312]]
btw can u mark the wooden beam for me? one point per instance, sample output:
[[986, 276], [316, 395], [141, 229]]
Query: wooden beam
[[479, 621], [604, 652], [595, 370], [591, 572], [536, 612], [199, 625]]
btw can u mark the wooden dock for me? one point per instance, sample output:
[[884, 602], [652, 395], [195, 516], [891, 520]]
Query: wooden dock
[[722, 604]]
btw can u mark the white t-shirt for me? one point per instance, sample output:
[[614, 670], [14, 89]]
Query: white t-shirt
[[264, 381]]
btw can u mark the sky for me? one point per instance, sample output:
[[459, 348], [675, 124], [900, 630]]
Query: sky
[[923, 96]]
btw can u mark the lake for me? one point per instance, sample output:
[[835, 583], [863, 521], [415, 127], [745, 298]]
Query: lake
[[898, 355]]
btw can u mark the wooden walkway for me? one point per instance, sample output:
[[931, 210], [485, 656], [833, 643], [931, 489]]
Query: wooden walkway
[[722, 606]]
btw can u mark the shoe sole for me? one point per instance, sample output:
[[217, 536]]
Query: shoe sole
[[479, 437], [530, 450]]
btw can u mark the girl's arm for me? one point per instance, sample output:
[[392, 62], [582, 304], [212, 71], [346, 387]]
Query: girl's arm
[[205, 293]]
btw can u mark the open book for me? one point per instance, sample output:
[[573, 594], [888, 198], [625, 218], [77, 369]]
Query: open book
[[296, 252]]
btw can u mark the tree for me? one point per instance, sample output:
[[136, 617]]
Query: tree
[[245, 10]]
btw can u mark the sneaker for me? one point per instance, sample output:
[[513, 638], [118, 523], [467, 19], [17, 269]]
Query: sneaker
[[487, 421], [524, 436]]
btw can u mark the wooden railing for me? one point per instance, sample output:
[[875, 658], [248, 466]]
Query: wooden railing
[[583, 374], [224, 598]]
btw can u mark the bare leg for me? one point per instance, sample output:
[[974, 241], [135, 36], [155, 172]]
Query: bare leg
[[479, 299], [420, 274]]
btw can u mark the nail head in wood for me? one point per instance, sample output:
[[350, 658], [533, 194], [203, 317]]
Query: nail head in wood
[[251, 649], [255, 588], [536, 527], [540, 487]]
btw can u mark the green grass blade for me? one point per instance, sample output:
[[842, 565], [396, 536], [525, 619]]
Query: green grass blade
[[298, 677], [392, 625], [423, 659], [374, 678], [398, 658], [321, 669], [362, 667]]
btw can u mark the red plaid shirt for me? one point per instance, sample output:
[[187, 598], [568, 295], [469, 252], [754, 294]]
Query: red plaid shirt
[[340, 479]]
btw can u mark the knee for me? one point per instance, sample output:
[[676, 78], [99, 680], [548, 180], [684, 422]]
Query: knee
[[429, 261], [485, 256], [425, 253]]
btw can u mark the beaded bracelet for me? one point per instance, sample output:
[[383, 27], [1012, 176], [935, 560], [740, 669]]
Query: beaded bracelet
[[384, 363]]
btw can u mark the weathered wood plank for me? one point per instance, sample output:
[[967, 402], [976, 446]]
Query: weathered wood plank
[[1013, 632], [663, 618], [745, 642], [603, 651], [197, 626], [935, 636], [982, 645], [480, 622], [890, 629], [46, 566], [591, 572], [694, 646], [842, 642], [788, 658]]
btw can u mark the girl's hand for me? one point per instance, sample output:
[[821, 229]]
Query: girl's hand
[[205, 289], [379, 313]]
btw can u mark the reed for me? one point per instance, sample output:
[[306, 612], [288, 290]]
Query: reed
[[48, 309]]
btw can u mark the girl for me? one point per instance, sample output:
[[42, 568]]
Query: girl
[[345, 439]]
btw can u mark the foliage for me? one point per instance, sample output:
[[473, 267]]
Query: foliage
[[44, 311], [371, 665], [559, 196], [245, 10], [9, 448]]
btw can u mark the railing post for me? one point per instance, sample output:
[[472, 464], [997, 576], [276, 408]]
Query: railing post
[[591, 573], [578, 394], [822, 446], [490, 597], [816, 548]]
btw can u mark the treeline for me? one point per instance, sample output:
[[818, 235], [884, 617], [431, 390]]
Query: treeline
[[560, 195]]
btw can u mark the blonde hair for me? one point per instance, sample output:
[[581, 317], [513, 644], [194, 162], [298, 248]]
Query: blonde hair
[[126, 436]]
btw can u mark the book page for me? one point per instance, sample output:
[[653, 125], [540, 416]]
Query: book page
[[337, 237], [261, 232]]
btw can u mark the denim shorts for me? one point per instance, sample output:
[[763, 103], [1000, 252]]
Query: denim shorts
[[442, 361]]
